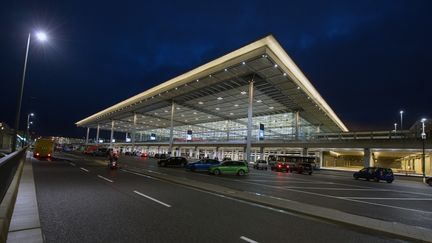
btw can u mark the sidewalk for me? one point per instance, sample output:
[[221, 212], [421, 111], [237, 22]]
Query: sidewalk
[[25, 224]]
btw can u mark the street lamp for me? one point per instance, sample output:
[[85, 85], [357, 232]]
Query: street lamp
[[395, 125], [401, 114], [42, 37], [423, 136], [28, 126]]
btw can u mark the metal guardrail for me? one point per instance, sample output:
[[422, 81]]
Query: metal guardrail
[[8, 167]]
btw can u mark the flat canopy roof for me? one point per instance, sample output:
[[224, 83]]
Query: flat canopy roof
[[218, 91]]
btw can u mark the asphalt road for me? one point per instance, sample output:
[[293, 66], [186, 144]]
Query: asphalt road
[[404, 201], [82, 201]]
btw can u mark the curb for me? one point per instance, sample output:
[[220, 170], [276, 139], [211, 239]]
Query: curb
[[8, 203], [399, 230]]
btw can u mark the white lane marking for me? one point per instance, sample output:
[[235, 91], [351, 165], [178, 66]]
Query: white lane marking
[[104, 178], [248, 240], [335, 188], [351, 200], [73, 164], [390, 198], [142, 175], [84, 169], [156, 172], [153, 199]]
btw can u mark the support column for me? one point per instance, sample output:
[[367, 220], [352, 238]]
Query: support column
[[97, 134], [367, 157], [305, 151], [196, 153], [87, 136], [297, 124], [134, 131], [112, 134], [171, 128], [249, 124], [261, 152], [318, 130]]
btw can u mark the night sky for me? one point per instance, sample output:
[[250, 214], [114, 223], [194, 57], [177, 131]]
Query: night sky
[[368, 59]]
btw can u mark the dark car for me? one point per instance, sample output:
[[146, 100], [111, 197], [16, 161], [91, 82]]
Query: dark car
[[156, 156], [429, 181], [202, 165], [173, 161], [260, 165], [100, 152], [375, 173]]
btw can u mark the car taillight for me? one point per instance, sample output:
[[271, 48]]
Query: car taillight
[[49, 155], [37, 154], [279, 166]]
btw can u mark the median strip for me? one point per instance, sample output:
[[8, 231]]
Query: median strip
[[153, 199], [104, 178]]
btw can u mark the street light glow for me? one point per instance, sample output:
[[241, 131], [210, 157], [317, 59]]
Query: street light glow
[[31, 114], [41, 36], [423, 119]]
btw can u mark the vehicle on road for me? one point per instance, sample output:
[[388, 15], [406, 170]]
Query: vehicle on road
[[182, 161], [260, 165], [2, 155], [144, 154], [230, 167], [90, 149], [100, 152], [429, 181], [44, 148], [202, 165], [375, 173], [290, 163]]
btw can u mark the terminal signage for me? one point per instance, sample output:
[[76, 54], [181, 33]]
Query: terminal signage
[[152, 136], [189, 135]]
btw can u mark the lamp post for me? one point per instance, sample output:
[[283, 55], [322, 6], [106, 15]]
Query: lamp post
[[41, 36], [28, 126], [395, 125], [423, 136], [401, 114]]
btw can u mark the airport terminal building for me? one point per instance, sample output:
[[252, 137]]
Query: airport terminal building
[[249, 104]]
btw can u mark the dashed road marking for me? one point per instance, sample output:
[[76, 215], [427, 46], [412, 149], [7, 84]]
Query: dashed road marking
[[390, 198], [73, 164], [247, 239], [153, 199], [84, 169], [104, 178]]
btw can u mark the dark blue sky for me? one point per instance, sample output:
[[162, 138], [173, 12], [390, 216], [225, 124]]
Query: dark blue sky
[[368, 59]]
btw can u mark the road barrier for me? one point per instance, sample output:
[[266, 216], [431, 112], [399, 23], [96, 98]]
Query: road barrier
[[10, 173]]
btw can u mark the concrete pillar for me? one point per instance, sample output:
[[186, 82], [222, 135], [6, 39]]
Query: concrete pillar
[[297, 124], [249, 124], [305, 151], [321, 158], [112, 134], [134, 131], [367, 157], [171, 128], [318, 129], [196, 153], [261, 152], [87, 135], [97, 134]]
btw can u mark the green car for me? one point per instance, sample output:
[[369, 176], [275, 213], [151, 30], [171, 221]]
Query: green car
[[230, 167]]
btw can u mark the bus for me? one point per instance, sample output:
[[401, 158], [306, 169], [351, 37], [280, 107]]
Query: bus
[[44, 148], [290, 163]]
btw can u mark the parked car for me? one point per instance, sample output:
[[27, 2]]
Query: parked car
[[144, 154], [230, 167], [202, 165], [375, 173], [2, 155], [156, 156], [173, 161], [260, 165], [429, 181]]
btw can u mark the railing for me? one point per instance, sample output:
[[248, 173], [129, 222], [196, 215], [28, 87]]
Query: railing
[[8, 166]]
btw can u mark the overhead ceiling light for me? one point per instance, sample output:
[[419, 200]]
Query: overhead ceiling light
[[275, 65], [197, 80], [285, 115], [271, 107], [308, 98], [243, 92], [298, 87], [182, 115], [236, 105], [186, 120], [210, 75], [217, 108], [225, 69], [166, 111], [156, 113], [285, 74], [264, 55], [178, 108], [209, 117], [200, 102], [220, 98], [195, 113], [243, 63], [196, 119], [259, 101], [231, 113], [176, 88]]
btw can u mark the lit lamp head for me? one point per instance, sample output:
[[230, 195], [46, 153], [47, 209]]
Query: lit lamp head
[[41, 36], [423, 120], [31, 114], [401, 112]]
